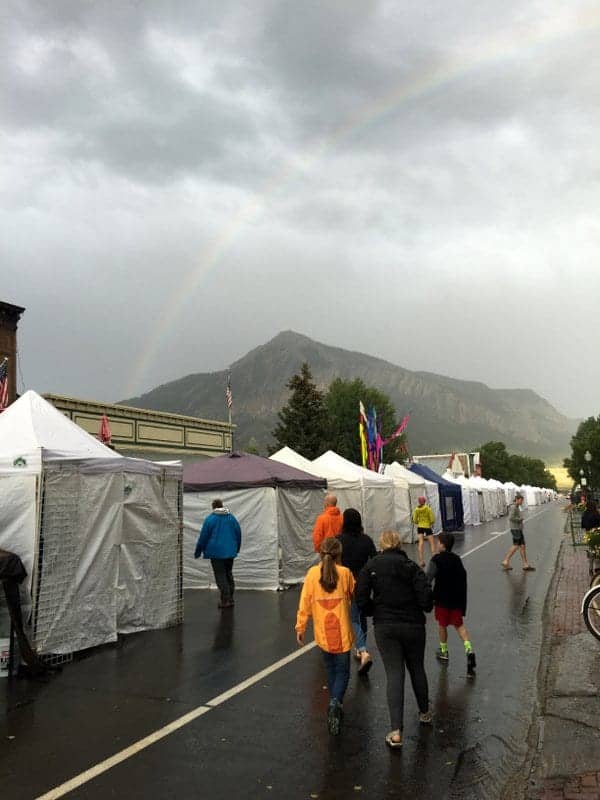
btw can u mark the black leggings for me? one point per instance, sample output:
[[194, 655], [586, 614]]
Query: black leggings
[[401, 644]]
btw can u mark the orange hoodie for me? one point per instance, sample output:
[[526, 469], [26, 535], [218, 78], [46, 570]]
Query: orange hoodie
[[329, 523], [330, 610]]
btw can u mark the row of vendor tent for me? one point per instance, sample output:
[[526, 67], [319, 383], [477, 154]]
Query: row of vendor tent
[[385, 501], [99, 534]]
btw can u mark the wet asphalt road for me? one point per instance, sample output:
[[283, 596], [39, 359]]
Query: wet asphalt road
[[270, 740]]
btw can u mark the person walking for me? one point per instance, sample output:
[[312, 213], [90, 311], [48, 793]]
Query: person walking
[[328, 523], [515, 520], [220, 540], [396, 592], [357, 549], [424, 518], [326, 596], [449, 577]]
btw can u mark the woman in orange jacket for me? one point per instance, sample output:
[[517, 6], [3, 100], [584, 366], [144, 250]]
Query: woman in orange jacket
[[326, 597]]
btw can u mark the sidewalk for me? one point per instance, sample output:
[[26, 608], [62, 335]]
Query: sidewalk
[[566, 765]]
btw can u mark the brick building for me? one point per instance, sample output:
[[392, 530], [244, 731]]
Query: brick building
[[9, 321]]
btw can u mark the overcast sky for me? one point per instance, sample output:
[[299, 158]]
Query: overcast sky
[[420, 181]]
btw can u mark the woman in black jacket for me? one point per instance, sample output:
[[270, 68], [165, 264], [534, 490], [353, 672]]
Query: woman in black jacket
[[357, 549], [396, 592]]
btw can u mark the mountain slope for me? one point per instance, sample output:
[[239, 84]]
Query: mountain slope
[[447, 414]]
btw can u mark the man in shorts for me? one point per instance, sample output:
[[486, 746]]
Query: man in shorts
[[449, 578], [515, 521]]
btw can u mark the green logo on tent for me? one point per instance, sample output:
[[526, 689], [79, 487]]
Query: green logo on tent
[[19, 462]]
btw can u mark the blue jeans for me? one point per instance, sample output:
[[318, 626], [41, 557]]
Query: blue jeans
[[359, 623], [338, 673]]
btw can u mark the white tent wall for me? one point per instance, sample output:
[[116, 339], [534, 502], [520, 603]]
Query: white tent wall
[[109, 562], [433, 500], [149, 590], [297, 510], [470, 499], [75, 602], [18, 517], [402, 512], [378, 510], [257, 565]]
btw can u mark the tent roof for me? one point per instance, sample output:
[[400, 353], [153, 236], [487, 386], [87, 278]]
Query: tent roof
[[32, 424], [293, 459], [243, 470], [331, 465], [398, 472], [426, 472]]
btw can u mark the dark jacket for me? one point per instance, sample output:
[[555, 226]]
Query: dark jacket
[[220, 537], [589, 520], [357, 549], [450, 581], [392, 588]]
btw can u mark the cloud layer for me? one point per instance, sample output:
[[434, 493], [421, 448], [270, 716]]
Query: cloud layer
[[182, 181]]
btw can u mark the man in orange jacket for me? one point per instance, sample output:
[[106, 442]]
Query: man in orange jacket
[[329, 523]]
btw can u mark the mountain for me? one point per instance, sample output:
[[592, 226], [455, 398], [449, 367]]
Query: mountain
[[447, 414]]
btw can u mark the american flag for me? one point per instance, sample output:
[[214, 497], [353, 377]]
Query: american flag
[[228, 394], [4, 384]]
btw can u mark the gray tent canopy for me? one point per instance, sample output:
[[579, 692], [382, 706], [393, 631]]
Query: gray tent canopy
[[276, 506]]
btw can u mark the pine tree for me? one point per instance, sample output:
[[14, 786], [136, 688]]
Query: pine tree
[[303, 421]]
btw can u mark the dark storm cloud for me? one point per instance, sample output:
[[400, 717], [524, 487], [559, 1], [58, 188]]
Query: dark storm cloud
[[429, 171]]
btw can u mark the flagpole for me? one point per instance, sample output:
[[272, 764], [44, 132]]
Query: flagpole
[[229, 401]]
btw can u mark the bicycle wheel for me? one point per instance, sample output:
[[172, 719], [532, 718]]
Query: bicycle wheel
[[590, 609]]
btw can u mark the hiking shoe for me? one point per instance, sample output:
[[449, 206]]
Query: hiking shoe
[[442, 656], [334, 717], [471, 664], [426, 717]]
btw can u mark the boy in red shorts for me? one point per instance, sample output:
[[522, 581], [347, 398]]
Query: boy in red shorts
[[449, 577]]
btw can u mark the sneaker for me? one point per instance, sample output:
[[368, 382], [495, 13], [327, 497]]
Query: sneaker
[[442, 656], [334, 717], [426, 717], [471, 664]]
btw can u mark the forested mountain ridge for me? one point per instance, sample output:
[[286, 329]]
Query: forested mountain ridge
[[446, 413]]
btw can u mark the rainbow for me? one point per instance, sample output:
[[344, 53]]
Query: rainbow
[[560, 27]]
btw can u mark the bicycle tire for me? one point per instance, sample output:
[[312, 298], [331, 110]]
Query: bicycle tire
[[590, 608]]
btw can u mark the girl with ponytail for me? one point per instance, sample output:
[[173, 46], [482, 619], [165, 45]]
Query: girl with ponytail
[[326, 597]]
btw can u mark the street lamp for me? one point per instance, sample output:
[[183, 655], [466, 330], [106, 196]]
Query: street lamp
[[582, 478], [588, 460]]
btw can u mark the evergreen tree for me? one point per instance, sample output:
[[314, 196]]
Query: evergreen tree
[[342, 401], [303, 421], [586, 439]]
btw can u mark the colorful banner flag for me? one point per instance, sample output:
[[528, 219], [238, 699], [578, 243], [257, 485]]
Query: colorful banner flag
[[228, 393]]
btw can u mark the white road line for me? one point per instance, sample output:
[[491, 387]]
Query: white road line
[[494, 536], [142, 744]]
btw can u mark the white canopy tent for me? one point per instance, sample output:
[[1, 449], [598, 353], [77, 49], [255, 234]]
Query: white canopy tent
[[276, 505], [408, 487], [376, 498], [99, 534], [347, 488], [488, 500], [470, 499]]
